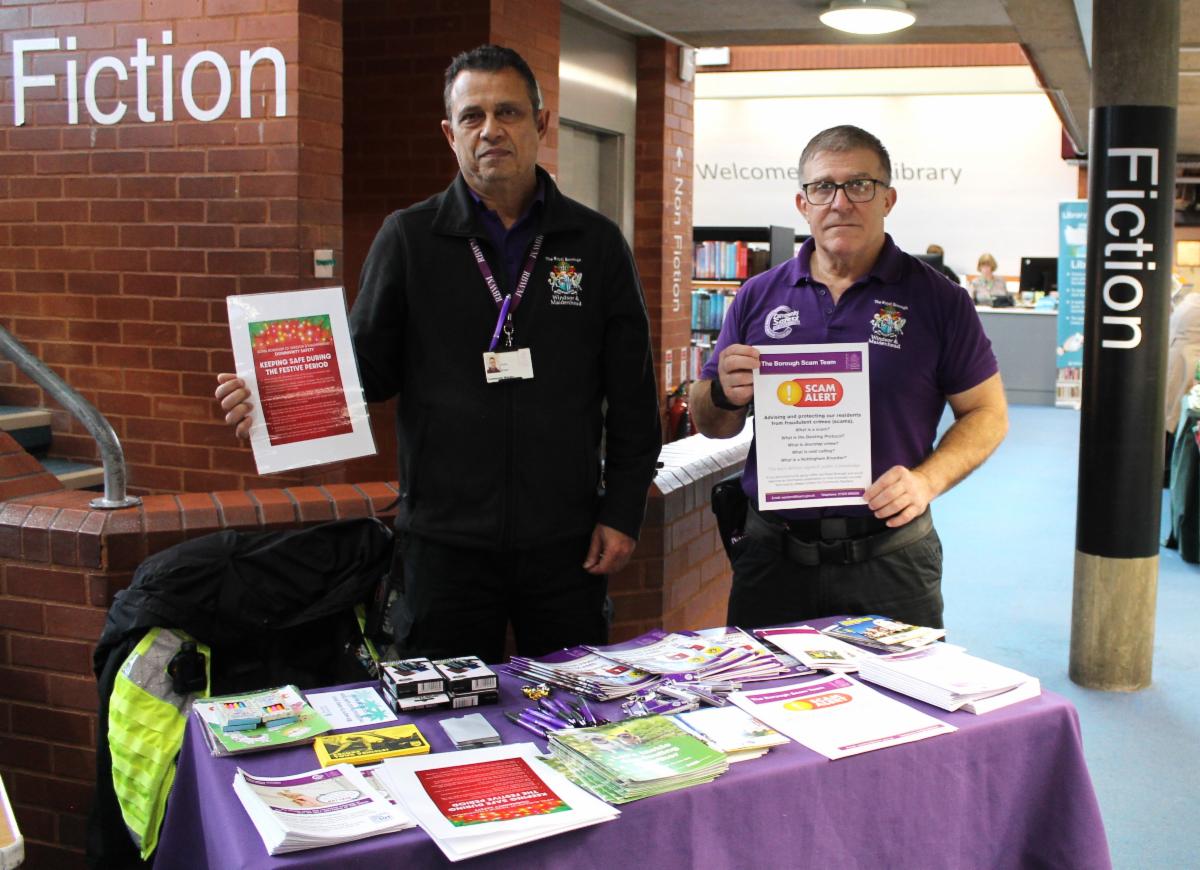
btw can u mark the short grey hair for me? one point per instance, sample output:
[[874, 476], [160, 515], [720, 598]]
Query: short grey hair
[[846, 138]]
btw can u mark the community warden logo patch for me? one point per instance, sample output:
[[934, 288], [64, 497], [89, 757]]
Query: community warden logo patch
[[565, 281]]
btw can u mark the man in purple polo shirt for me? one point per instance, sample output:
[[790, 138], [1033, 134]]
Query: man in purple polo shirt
[[850, 283]]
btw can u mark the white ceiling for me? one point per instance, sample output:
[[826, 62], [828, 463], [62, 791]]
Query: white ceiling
[[1049, 31]]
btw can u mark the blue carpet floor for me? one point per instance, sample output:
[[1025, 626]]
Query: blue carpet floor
[[1009, 538]]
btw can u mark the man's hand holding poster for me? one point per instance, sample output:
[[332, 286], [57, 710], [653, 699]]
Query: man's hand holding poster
[[294, 353]]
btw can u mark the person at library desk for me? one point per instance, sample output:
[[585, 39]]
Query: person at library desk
[[504, 514], [942, 267], [884, 556], [988, 286]]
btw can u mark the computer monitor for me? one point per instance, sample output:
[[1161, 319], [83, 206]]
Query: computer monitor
[[1039, 273], [934, 260]]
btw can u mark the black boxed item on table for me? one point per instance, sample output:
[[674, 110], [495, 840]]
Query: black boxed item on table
[[405, 677], [411, 703], [474, 699], [466, 674]]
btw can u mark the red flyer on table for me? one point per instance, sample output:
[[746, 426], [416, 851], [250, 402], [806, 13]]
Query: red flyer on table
[[476, 801], [490, 791], [294, 353]]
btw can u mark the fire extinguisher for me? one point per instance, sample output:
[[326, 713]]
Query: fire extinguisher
[[679, 421]]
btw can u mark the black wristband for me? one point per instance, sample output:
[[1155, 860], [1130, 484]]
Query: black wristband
[[720, 400]]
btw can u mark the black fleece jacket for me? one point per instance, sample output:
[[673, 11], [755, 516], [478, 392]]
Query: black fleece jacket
[[514, 464]]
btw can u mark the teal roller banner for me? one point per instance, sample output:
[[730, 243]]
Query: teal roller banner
[[1072, 272]]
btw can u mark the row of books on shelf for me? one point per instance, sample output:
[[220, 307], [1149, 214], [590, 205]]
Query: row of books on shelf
[[728, 261], [709, 307]]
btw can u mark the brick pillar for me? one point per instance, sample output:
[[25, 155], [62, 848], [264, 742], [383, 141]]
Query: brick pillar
[[663, 204], [532, 28]]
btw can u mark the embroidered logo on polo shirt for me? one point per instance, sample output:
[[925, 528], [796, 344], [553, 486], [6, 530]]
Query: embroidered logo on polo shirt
[[565, 281], [888, 324], [780, 321]]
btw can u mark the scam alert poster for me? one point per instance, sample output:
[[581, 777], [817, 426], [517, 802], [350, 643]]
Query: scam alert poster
[[812, 425], [294, 353]]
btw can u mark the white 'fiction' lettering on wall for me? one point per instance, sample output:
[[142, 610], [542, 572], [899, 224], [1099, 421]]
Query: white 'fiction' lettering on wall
[[141, 64]]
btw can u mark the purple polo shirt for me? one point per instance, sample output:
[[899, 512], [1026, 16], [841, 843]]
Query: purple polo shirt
[[512, 244], [924, 338]]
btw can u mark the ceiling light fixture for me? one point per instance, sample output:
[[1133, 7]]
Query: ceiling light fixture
[[867, 16]]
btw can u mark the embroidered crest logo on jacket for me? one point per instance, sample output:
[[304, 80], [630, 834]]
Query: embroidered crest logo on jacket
[[565, 280]]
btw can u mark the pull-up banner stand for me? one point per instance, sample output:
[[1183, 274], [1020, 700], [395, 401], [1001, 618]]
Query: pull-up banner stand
[[1131, 169]]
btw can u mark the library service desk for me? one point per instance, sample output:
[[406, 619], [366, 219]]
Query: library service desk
[[1024, 340], [1009, 789]]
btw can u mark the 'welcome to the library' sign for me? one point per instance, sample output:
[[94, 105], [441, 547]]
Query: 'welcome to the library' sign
[[46, 51]]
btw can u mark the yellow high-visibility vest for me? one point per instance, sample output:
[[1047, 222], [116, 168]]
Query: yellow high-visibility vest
[[146, 720]]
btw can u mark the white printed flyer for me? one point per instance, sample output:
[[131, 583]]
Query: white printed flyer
[[812, 425], [293, 351], [839, 716]]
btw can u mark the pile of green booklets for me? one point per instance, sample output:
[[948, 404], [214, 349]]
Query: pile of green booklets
[[635, 758]]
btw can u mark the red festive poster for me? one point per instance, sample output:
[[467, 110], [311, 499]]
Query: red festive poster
[[490, 791], [299, 385], [295, 355]]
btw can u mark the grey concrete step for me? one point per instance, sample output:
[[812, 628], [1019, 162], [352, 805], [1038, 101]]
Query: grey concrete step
[[29, 427], [75, 475]]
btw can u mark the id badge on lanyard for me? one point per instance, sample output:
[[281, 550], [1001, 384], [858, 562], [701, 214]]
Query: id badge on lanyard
[[508, 362]]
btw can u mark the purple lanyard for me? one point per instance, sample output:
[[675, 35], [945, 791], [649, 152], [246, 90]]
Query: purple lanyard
[[507, 304]]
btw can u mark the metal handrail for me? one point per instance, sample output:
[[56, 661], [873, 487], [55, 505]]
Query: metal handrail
[[85, 412]]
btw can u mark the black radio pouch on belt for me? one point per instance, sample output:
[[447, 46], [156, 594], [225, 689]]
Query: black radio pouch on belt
[[729, 504]]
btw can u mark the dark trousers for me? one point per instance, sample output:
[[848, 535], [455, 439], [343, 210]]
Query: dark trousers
[[460, 601], [770, 589]]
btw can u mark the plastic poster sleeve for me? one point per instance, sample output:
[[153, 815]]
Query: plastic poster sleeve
[[293, 351]]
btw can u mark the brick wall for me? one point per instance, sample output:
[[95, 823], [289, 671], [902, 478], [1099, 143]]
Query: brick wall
[[119, 241], [743, 58], [662, 235], [61, 564]]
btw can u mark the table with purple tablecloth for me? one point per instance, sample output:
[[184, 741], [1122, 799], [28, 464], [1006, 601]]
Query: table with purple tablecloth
[[1009, 789]]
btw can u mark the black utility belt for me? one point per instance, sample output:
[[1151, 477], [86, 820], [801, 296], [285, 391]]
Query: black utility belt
[[815, 548]]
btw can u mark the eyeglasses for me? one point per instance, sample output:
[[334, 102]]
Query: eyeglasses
[[857, 190]]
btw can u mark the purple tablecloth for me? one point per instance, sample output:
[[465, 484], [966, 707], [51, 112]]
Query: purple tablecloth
[[1009, 789]]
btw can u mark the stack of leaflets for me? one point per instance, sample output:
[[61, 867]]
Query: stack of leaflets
[[762, 663], [814, 649], [838, 716], [317, 808], [879, 632], [302, 722], [945, 676], [482, 800], [636, 758], [732, 730], [677, 654], [367, 747], [580, 670]]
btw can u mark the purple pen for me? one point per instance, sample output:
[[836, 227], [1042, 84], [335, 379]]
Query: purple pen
[[566, 713], [528, 726], [552, 723], [586, 711], [504, 306]]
